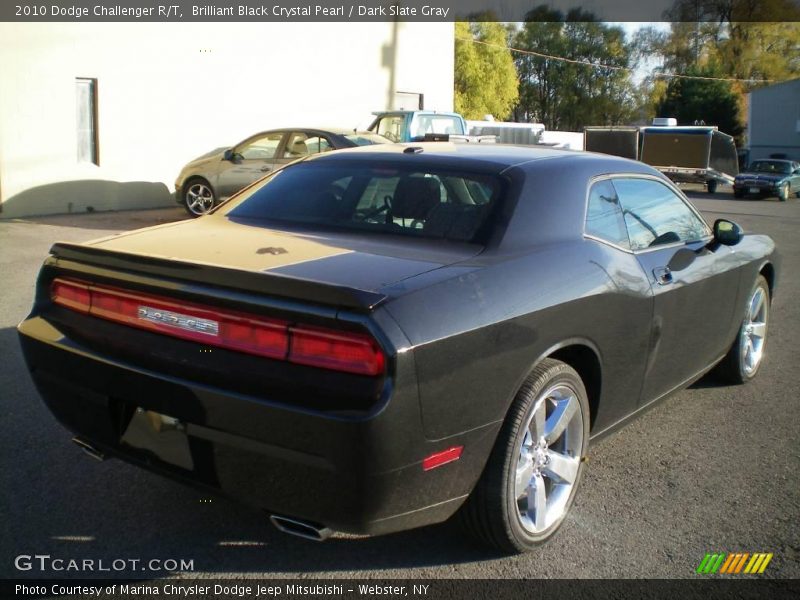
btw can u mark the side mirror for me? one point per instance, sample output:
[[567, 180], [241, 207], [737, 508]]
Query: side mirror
[[727, 232], [230, 155]]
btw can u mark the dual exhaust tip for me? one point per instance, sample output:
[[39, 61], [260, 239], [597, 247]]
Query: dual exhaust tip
[[296, 527], [303, 529], [89, 449]]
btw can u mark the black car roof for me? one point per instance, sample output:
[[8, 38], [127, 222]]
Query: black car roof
[[497, 157]]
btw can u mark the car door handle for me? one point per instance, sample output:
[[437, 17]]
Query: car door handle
[[663, 275]]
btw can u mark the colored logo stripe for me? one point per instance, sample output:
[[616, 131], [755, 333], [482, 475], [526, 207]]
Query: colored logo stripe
[[734, 563]]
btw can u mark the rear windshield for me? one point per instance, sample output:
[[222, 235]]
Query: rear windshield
[[422, 203]]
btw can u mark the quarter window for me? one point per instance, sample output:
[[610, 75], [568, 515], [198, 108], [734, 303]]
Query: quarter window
[[655, 215], [604, 218], [318, 144]]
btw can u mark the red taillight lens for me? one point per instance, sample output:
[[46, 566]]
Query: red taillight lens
[[191, 322], [340, 351], [255, 336], [71, 295]]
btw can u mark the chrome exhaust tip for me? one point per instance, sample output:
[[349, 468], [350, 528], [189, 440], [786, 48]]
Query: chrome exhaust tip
[[302, 529], [95, 453]]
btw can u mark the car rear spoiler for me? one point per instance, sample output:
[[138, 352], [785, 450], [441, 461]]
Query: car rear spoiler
[[271, 284]]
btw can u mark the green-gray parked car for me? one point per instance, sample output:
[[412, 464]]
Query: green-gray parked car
[[769, 177]]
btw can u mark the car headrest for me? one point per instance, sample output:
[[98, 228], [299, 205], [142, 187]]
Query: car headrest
[[299, 147], [415, 197]]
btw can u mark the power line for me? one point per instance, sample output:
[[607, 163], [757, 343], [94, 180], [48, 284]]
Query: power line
[[612, 67]]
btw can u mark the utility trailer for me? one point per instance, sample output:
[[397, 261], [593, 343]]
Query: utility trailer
[[618, 141], [691, 154], [688, 154]]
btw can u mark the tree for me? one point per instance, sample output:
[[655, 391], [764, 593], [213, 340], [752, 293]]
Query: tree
[[712, 102], [569, 95], [485, 77], [755, 42]]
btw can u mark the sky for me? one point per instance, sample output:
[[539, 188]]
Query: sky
[[630, 29]]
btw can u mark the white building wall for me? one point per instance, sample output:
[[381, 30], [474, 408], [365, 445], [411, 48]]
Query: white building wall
[[170, 92]]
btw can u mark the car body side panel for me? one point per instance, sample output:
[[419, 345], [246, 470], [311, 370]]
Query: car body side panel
[[694, 311], [472, 357]]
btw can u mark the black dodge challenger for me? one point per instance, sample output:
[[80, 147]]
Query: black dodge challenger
[[377, 339]]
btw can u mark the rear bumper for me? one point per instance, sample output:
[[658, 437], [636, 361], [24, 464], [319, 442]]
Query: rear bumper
[[359, 474]]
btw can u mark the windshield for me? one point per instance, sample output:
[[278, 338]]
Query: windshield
[[770, 166], [367, 139], [418, 202]]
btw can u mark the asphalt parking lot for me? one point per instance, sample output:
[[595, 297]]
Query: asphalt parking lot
[[713, 468]]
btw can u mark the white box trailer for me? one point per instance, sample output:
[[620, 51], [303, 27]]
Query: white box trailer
[[507, 132]]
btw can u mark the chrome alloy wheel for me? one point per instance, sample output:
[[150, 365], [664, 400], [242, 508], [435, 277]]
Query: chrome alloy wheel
[[199, 198], [549, 458], [754, 331]]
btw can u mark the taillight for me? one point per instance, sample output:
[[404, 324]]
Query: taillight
[[319, 347], [340, 351], [71, 295], [210, 326]]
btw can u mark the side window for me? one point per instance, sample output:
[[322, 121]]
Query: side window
[[604, 215], [655, 215], [391, 127], [262, 148]]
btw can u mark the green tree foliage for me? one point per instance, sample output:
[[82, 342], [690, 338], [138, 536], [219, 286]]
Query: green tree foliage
[[711, 102], [757, 42], [567, 96], [485, 77]]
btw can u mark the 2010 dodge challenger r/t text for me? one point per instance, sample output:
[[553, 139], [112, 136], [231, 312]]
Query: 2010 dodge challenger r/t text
[[376, 339]]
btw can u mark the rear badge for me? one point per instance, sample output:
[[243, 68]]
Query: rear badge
[[185, 322]]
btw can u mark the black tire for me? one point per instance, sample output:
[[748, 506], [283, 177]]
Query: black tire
[[711, 185], [733, 368], [738, 194], [198, 197], [492, 513]]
